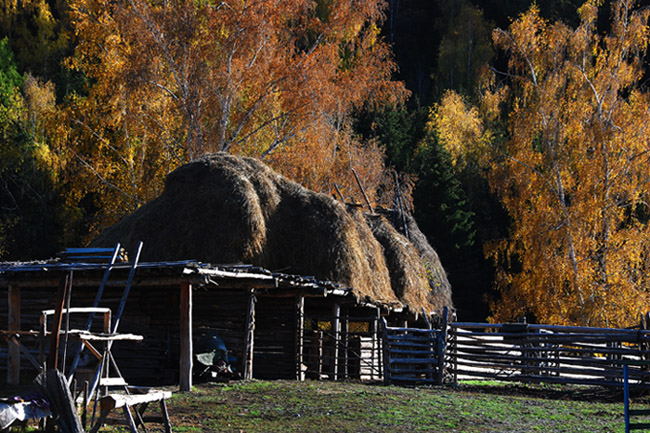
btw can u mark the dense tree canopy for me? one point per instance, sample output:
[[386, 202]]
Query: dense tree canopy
[[100, 100], [273, 79], [572, 172]]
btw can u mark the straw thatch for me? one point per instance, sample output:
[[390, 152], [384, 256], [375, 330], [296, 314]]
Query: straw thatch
[[224, 209]]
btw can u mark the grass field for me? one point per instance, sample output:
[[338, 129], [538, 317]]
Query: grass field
[[288, 406]]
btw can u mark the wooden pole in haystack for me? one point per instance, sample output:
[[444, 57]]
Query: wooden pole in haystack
[[339, 193], [363, 191], [401, 206]]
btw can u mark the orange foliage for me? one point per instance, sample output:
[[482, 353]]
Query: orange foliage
[[275, 79], [573, 173]]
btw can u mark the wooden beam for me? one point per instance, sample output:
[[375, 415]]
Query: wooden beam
[[53, 356], [13, 372], [441, 346], [300, 337], [336, 332], [185, 373], [363, 191], [249, 346]]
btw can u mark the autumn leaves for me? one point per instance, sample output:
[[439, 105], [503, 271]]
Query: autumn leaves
[[277, 80], [571, 169], [559, 130]]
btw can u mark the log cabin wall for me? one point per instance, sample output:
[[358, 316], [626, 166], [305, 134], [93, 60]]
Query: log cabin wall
[[151, 312], [326, 337], [223, 311], [275, 335], [343, 347]]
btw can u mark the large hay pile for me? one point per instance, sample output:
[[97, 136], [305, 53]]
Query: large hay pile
[[224, 209]]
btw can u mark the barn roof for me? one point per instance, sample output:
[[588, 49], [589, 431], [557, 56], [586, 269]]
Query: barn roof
[[156, 274]]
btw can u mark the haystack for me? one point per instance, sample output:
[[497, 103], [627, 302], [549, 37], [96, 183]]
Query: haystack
[[224, 209]]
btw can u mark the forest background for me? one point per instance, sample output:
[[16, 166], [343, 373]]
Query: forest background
[[516, 131]]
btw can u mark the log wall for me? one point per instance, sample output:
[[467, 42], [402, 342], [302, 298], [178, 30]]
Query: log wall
[[354, 351]]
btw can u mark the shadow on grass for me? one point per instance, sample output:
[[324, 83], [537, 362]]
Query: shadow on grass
[[553, 392]]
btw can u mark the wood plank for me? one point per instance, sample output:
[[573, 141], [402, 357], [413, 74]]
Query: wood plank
[[249, 345], [391, 329], [116, 401], [409, 338], [185, 374], [336, 330], [412, 352], [412, 379], [64, 285], [413, 361], [13, 325], [409, 344], [73, 310], [300, 337], [410, 370]]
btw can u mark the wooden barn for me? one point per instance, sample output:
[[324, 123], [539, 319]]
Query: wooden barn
[[274, 325], [363, 263]]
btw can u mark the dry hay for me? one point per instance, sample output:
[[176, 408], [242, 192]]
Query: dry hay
[[224, 209], [414, 259]]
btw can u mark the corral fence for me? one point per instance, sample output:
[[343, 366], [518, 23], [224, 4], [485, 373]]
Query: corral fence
[[413, 355], [547, 354]]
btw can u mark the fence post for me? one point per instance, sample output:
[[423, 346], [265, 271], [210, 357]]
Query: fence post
[[441, 348], [626, 397], [386, 362]]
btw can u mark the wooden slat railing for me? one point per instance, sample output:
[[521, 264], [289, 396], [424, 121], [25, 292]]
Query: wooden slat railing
[[544, 353]]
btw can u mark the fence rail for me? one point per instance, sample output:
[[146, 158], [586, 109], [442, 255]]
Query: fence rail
[[414, 355], [544, 353]]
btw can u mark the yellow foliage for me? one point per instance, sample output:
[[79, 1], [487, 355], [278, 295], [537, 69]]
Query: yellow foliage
[[172, 81], [459, 128], [572, 173]]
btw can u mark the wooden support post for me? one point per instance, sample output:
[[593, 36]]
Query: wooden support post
[[249, 347], [380, 344], [53, 356], [442, 346], [165, 416], [319, 354], [13, 372], [386, 356], [185, 374], [374, 359], [300, 337], [336, 332], [345, 328]]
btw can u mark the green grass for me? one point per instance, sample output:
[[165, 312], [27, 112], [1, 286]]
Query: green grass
[[287, 406]]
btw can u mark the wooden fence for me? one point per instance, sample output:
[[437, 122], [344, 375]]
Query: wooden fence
[[413, 355], [551, 354]]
